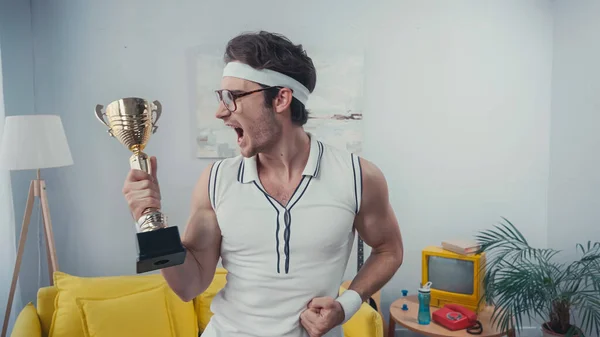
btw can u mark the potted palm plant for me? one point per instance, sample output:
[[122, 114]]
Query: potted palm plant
[[524, 282]]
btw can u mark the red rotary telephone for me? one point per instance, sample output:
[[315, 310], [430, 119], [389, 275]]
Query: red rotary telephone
[[456, 317]]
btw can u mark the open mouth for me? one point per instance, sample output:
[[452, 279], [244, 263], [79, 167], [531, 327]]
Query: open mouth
[[240, 134], [238, 131]]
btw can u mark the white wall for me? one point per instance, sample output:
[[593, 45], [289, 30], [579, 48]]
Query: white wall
[[7, 229], [16, 39], [458, 96], [573, 202], [463, 117]]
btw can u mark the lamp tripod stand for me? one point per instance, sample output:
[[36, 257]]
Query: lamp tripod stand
[[37, 190]]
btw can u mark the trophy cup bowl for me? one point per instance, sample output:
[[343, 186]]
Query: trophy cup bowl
[[132, 121]]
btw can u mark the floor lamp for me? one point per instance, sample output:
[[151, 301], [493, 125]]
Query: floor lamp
[[33, 142]]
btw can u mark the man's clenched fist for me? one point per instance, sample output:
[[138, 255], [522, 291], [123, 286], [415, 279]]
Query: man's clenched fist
[[141, 190], [321, 315]]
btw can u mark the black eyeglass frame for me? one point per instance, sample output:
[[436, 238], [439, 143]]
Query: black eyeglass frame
[[235, 94]]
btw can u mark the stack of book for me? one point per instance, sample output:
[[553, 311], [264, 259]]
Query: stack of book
[[461, 246]]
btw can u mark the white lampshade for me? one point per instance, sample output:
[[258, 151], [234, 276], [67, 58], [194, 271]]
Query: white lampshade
[[34, 142]]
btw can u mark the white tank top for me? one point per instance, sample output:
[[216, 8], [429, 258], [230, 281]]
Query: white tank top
[[280, 257]]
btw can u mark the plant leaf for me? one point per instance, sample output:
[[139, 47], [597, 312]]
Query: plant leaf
[[524, 282]]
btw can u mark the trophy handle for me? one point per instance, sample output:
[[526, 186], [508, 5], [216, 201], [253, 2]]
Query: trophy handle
[[157, 113], [100, 115]]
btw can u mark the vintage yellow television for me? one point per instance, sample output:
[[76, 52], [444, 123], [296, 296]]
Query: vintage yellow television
[[455, 278]]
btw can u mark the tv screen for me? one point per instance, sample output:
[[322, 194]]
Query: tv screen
[[452, 275]]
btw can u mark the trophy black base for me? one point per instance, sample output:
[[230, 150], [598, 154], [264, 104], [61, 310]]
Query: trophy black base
[[159, 249]]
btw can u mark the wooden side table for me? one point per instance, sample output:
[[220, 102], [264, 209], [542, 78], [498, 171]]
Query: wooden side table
[[408, 319]]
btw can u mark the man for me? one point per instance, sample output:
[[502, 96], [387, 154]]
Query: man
[[283, 215]]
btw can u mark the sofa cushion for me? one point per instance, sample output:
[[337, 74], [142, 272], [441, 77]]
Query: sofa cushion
[[202, 301], [144, 313], [66, 320], [28, 322]]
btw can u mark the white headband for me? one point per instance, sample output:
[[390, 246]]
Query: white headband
[[266, 77]]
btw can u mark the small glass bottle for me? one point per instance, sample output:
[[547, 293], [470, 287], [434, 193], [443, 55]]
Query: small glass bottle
[[424, 315]]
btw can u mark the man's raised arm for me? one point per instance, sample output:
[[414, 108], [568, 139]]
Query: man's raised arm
[[202, 240]]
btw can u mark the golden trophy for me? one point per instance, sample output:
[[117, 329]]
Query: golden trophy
[[131, 121]]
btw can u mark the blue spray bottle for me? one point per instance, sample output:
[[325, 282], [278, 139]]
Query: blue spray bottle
[[424, 315]]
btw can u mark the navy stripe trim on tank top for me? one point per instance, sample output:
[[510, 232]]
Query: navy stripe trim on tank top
[[289, 225], [287, 217], [319, 160], [212, 183], [277, 227], [360, 177], [240, 175], [357, 184]]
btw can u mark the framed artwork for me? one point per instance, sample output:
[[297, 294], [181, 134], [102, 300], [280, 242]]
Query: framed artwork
[[335, 106]]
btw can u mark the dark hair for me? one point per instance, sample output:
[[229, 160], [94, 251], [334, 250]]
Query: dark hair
[[265, 50]]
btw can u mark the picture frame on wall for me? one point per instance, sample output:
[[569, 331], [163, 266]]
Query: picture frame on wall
[[336, 106]]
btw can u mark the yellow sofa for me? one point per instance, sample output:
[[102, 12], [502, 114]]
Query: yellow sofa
[[136, 305]]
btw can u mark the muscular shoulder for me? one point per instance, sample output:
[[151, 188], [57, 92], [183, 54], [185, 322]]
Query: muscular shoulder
[[375, 188], [211, 177]]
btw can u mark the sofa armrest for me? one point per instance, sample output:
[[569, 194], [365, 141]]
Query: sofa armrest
[[27, 323], [365, 323]]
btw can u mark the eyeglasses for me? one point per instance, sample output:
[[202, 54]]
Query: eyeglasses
[[228, 97]]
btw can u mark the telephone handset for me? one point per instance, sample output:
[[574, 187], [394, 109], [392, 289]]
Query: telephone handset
[[460, 310], [457, 317]]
